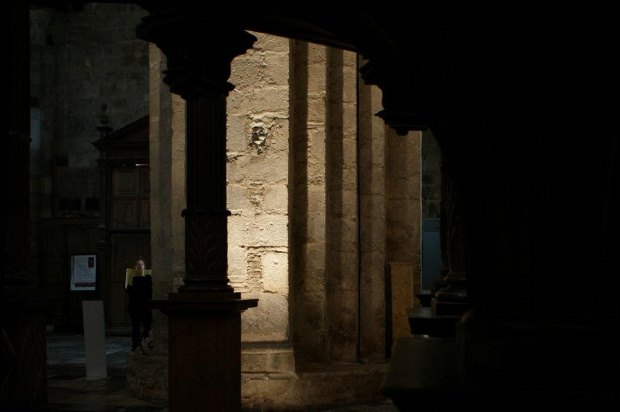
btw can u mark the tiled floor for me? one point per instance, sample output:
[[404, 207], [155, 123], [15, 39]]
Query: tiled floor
[[70, 390]]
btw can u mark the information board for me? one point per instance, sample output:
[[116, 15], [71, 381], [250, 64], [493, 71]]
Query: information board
[[83, 272]]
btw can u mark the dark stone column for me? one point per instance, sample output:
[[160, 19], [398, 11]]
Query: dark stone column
[[23, 358], [447, 299], [205, 314], [440, 282], [451, 294]]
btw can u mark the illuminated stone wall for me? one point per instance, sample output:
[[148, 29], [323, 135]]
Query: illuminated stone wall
[[257, 147]]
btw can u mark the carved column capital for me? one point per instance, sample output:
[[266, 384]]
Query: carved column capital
[[199, 52], [401, 103]]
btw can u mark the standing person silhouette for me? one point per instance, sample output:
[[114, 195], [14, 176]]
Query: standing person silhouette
[[140, 292]]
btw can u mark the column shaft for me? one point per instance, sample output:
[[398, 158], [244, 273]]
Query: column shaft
[[206, 223], [205, 315]]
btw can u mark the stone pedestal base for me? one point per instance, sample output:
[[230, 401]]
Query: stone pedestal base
[[204, 351]]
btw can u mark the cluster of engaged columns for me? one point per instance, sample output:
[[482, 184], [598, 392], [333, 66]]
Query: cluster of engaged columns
[[335, 152]]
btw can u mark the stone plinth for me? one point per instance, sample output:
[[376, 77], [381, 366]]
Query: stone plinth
[[317, 389], [204, 332]]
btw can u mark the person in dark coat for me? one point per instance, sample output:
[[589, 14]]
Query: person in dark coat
[[140, 292]]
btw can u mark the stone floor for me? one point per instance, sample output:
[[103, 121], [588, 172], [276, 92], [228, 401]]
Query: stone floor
[[70, 390]]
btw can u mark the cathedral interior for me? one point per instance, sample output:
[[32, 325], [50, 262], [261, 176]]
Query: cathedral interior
[[337, 206]]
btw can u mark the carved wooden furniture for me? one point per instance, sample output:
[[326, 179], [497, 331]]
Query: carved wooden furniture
[[125, 213]]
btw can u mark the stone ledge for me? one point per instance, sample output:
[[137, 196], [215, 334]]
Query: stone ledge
[[325, 386], [267, 360]]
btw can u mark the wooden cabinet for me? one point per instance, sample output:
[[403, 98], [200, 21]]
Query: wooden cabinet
[[125, 214]]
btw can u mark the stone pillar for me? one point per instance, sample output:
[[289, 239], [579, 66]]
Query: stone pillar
[[205, 313], [440, 282], [341, 206], [451, 299], [23, 359], [372, 134], [403, 189], [307, 205], [447, 299], [403, 226]]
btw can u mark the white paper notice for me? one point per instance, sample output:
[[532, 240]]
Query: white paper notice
[[83, 272]]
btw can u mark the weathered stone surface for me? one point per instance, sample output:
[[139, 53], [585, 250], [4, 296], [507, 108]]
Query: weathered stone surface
[[273, 361], [402, 285], [259, 69], [237, 256], [373, 226], [403, 191], [147, 377], [316, 77], [259, 230], [256, 168], [238, 134], [275, 97], [276, 198], [268, 322], [275, 269], [316, 390]]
